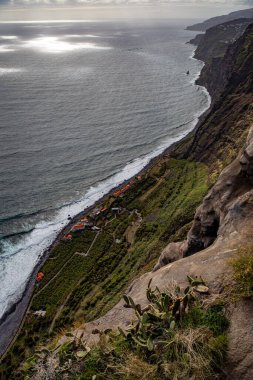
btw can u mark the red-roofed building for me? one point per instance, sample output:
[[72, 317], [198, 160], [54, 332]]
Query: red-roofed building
[[68, 238], [40, 276], [78, 227]]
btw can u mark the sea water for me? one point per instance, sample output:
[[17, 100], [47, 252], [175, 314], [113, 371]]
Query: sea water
[[83, 107]]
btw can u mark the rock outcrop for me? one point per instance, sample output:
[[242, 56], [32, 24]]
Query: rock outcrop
[[223, 131], [212, 47], [240, 356], [173, 252], [222, 210]]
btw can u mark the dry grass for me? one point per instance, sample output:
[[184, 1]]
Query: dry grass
[[192, 359], [135, 368], [242, 264]]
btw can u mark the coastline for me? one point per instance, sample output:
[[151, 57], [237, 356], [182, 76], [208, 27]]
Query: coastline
[[12, 320]]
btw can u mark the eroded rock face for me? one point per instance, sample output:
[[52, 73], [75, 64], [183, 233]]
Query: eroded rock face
[[173, 252], [212, 47], [223, 130], [240, 356], [247, 160], [228, 201]]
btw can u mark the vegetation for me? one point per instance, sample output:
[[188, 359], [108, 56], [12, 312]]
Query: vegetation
[[78, 286], [174, 337], [242, 265], [85, 278]]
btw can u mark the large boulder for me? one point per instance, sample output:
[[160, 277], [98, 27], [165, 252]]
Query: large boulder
[[240, 355], [173, 252]]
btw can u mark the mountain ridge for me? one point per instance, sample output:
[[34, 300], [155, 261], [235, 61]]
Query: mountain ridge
[[203, 26]]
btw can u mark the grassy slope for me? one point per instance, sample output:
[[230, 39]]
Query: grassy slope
[[87, 287], [181, 336]]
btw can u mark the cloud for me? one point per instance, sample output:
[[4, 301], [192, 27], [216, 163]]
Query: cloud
[[105, 2], [34, 10]]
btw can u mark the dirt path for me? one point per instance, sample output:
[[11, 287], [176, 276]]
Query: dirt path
[[60, 309], [148, 192], [86, 253], [58, 313], [64, 265], [131, 230], [52, 279]]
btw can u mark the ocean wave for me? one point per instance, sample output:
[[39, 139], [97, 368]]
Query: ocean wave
[[18, 233], [22, 215]]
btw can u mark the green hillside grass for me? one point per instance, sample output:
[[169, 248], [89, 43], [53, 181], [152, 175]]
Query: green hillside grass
[[76, 289]]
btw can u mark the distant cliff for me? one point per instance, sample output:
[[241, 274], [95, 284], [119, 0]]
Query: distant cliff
[[212, 47], [203, 26], [224, 130]]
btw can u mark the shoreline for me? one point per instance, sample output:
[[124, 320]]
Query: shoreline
[[12, 320]]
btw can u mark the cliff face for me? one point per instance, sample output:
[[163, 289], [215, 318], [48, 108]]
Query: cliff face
[[212, 47], [223, 131], [224, 220], [203, 26], [226, 215]]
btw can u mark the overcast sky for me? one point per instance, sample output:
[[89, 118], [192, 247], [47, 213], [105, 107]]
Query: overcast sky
[[116, 9]]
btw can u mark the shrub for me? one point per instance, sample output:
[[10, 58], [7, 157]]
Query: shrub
[[242, 265], [173, 338]]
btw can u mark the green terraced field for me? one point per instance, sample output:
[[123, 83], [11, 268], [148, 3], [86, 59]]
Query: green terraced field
[[78, 288]]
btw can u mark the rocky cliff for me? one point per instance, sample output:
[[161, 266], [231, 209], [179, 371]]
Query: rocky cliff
[[223, 222], [203, 26], [212, 47], [223, 143], [223, 131]]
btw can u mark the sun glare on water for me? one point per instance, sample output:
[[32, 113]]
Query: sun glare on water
[[56, 45]]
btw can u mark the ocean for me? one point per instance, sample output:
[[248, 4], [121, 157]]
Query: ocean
[[83, 107]]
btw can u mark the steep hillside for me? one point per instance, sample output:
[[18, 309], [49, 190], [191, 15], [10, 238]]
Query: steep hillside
[[203, 26], [225, 128], [177, 336], [211, 48], [222, 224], [213, 338], [223, 131]]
